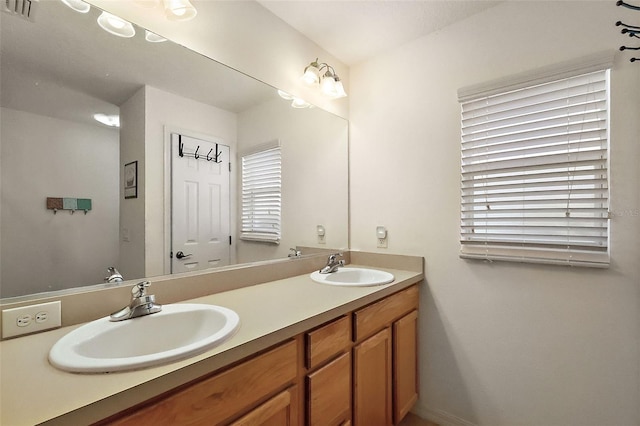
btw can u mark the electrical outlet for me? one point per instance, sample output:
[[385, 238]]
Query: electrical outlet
[[32, 318], [381, 236]]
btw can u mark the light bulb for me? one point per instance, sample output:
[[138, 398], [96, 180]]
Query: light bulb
[[328, 85], [311, 74], [179, 10], [340, 93]]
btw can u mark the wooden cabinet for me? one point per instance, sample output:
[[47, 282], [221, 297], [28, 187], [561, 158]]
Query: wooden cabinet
[[405, 365], [372, 380], [385, 363], [216, 400], [329, 387], [329, 393], [360, 369], [281, 410]]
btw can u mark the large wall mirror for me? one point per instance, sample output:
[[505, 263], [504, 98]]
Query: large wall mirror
[[60, 69]]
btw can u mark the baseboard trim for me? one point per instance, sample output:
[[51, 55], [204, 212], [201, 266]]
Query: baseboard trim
[[440, 417]]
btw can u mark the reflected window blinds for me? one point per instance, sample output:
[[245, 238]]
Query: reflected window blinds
[[262, 196], [535, 173]]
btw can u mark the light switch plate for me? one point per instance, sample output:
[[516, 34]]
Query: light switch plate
[[30, 319]]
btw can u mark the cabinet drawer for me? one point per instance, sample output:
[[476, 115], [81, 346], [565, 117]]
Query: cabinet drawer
[[327, 341], [329, 393], [381, 314], [213, 400]]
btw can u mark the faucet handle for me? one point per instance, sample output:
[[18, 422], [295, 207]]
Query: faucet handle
[[140, 289]]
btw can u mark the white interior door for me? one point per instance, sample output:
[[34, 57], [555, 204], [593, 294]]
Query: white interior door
[[200, 204]]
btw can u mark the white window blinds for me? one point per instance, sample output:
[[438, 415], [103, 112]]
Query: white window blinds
[[261, 196], [534, 173]]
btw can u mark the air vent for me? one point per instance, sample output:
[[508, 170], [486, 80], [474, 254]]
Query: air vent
[[23, 8]]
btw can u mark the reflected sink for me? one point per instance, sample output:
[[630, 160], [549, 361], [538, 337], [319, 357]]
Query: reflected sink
[[177, 332], [354, 277]]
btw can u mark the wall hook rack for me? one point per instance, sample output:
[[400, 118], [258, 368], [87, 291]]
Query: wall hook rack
[[216, 158], [627, 5], [632, 31]]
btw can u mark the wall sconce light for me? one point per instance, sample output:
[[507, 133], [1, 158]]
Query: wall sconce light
[[324, 75]]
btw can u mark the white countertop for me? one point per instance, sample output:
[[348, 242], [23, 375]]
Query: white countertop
[[32, 391]]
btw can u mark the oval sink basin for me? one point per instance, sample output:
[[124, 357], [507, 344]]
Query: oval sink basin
[[176, 332], [354, 277]]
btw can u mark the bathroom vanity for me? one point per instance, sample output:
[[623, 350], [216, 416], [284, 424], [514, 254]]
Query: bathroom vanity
[[305, 353]]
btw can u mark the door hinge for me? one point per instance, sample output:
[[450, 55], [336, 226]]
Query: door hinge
[[229, 239], [171, 254], [229, 166]]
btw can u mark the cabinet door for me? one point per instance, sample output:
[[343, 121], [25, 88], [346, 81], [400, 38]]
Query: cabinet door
[[329, 393], [372, 380], [281, 410], [405, 365]]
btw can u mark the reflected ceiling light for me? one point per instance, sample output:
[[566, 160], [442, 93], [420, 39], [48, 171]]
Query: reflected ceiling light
[[107, 120], [116, 25], [77, 5], [295, 102], [300, 103], [153, 37], [179, 10], [285, 95], [329, 82]]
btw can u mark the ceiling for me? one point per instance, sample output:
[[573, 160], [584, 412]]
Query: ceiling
[[357, 30]]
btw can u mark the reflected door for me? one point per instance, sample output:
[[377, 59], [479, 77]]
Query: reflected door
[[200, 204]]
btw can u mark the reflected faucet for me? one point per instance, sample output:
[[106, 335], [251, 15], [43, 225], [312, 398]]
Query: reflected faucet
[[294, 252], [140, 305], [332, 264], [114, 276]]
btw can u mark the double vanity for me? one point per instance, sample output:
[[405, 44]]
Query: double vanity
[[303, 352]]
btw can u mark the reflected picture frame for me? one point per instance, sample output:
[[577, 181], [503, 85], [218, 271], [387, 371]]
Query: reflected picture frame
[[131, 180]]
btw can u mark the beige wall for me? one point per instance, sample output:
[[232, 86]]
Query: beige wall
[[501, 344]]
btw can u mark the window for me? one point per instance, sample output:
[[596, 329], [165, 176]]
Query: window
[[261, 195], [534, 184]]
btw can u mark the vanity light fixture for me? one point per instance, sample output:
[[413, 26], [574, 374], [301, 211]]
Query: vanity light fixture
[[329, 81], [179, 10], [107, 120], [77, 5], [116, 25]]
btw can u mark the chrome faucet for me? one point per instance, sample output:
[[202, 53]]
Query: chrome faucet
[[332, 264], [114, 276], [141, 304]]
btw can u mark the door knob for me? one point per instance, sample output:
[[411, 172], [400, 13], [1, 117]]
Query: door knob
[[181, 255]]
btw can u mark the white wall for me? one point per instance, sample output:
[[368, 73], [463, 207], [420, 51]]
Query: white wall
[[43, 251], [314, 174], [501, 344]]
